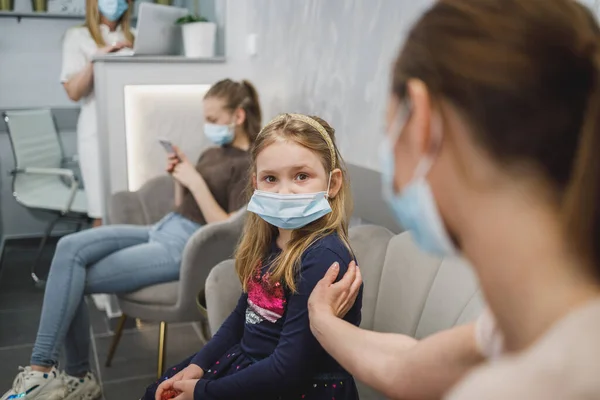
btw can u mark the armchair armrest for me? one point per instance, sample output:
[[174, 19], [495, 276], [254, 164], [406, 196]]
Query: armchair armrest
[[46, 171], [143, 207], [126, 208], [222, 291], [58, 172], [210, 245]]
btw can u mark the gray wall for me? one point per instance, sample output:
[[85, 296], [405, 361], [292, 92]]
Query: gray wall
[[332, 59]]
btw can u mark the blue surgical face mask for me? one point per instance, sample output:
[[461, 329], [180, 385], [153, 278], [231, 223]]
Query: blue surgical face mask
[[415, 206], [289, 211], [219, 134], [113, 9]]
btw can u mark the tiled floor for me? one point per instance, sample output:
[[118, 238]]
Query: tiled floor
[[134, 364]]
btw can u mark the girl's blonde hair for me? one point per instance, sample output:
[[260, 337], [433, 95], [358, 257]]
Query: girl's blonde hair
[[258, 234], [92, 22]]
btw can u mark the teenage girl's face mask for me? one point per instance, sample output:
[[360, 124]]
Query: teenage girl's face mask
[[414, 206], [219, 134], [113, 9]]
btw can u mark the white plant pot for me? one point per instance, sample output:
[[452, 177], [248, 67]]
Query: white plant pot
[[199, 39]]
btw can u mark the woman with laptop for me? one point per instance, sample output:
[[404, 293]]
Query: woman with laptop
[[126, 258], [107, 29]]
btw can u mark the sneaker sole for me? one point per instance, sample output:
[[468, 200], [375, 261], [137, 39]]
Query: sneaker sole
[[96, 394], [58, 394]]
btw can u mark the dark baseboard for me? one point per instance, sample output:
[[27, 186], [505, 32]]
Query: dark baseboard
[[31, 241]]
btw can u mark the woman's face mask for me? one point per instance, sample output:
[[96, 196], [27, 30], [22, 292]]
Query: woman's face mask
[[414, 206], [113, 9]]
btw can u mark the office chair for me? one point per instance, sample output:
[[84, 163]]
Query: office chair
[[38, 177]]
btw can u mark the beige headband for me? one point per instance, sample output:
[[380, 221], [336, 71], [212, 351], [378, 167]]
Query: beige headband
[[311, 122]]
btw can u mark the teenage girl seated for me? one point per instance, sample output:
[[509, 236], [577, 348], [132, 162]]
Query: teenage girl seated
[[126, 258], [298, 227]]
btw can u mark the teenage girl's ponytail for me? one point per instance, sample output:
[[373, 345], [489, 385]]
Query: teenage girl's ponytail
[[253, 112], [582, 199]]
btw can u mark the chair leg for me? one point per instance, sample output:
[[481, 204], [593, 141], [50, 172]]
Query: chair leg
[[116, 339], [40, 282], [162, 348]]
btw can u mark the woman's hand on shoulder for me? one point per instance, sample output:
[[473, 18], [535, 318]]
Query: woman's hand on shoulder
[[335, 298]]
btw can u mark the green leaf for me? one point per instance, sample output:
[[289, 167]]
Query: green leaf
[[190, 18]]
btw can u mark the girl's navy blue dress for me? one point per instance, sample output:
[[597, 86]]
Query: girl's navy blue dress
[[265, 349]]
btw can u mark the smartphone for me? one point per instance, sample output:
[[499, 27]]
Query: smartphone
[[167, 145]]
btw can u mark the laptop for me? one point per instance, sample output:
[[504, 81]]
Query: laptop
[[156, 33]]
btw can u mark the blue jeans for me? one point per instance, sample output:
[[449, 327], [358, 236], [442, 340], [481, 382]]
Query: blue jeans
[[108, 259]]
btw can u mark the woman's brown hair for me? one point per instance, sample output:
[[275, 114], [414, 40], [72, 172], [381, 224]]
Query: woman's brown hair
[[240, 95], [92, 22], [258, 234], [525, 76]]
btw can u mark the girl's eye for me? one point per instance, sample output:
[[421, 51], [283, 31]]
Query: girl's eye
[[269, 178], [302, 177]]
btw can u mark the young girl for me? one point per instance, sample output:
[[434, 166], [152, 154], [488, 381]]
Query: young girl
[[298, 227]]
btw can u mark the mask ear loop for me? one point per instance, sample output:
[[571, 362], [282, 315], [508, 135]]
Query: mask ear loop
[[427, 162], [328, 185]]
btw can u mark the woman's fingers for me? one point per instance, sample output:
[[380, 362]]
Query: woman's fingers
[[331, 274], [356, 285], [349, 276], [350, 293]]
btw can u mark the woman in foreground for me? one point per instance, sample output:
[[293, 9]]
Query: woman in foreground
[[491, 153]]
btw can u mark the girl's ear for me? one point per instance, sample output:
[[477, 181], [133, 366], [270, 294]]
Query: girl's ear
[[254, 181], [337, 180], [240, 116]]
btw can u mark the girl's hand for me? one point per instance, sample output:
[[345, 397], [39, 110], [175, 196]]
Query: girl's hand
[[172, 161], [192, 371], [186, 387], [329, 298], [183, 170]]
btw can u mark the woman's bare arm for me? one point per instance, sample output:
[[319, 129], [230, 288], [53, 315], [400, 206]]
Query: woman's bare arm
[[397, 365], [81, 84]]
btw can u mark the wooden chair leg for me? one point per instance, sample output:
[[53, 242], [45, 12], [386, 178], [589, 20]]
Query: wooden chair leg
[[162, 348], [116, 339]]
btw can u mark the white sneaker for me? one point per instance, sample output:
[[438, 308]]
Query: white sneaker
[[86, 388], [34, 385]]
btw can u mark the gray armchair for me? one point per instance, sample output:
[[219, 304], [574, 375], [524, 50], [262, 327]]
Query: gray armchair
[[405, 290], [173, 301]]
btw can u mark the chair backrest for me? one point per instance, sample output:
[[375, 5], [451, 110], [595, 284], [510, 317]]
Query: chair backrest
[[369, 205], [408, 291], [34, 138]]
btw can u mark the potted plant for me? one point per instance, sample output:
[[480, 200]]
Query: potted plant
[[39, 5], [198, 35], [7, 5]]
